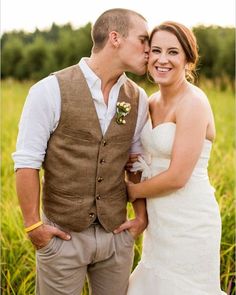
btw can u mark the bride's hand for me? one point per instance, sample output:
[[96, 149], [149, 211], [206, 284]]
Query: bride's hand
[[130, 188], [132, 159]]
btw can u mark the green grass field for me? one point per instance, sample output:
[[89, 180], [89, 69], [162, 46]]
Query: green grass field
[[17, 253]]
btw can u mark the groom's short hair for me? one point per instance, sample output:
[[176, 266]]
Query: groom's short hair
[[117, 19]]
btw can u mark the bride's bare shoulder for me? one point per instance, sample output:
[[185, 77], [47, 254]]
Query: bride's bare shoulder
[[154, 98]]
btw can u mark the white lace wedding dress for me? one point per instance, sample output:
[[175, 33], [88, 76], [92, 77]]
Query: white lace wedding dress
[[181, 245]]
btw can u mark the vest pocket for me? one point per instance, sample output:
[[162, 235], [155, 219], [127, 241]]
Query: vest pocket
[[77, 135], [121, 139], [62, 196]]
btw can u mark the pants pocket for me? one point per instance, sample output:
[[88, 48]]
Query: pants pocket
[[127, 238], [52, 249]]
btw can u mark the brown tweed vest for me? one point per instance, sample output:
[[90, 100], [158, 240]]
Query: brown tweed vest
[[84, 170]]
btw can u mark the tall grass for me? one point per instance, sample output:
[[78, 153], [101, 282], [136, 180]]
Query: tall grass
[[17, 253]]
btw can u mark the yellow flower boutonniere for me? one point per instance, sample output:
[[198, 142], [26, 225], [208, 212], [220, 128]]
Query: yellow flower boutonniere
[[122, 110]]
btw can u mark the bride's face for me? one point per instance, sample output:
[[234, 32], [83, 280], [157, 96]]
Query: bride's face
[[167, 59]]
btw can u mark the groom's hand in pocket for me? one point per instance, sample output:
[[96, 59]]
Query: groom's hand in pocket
[[41, 236], [135, 226]]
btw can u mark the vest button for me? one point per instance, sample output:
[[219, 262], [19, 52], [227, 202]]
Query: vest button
[[91, 215], [100, 179], [102, 161], [98, 197], [104, 142]]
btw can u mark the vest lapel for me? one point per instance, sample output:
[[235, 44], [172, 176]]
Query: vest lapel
[[82, 84]]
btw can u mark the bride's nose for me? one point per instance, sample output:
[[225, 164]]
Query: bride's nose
[[162, 58]]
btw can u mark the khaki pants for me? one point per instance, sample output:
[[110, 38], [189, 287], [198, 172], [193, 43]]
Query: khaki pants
[[105, 258]]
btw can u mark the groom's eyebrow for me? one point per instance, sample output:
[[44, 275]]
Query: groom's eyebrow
[[144, 37]]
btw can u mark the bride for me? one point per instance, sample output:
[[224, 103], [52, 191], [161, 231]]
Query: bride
[[181, 245]]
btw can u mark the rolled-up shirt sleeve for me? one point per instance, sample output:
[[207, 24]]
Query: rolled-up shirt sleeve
[[38, 120], [136, 147]]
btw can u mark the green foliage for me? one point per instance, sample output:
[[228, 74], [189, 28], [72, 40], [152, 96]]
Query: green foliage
[[12, 56], [217, 51], [36, 55], [71, 46], [17, 253], [38, 59]]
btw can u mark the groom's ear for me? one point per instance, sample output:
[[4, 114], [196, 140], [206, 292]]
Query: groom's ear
[[114, 38]]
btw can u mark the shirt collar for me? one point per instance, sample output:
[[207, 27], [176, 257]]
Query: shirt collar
[[92, 79]]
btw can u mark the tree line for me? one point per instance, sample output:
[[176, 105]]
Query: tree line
[[35, 55]]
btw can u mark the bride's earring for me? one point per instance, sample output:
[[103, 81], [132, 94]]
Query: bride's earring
[[188, 72]]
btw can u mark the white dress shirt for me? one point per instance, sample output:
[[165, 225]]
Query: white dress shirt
[[42, 109]]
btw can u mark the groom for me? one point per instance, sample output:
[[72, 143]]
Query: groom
[[69, 125]]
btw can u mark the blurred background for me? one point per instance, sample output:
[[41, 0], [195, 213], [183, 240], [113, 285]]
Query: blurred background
[[39, 37]]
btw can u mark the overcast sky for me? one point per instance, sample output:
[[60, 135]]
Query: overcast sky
[[31, 14]]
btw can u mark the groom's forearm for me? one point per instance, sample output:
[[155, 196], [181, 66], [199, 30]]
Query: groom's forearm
[[139, 205]]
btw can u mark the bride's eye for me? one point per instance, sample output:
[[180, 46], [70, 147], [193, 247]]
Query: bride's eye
[[173, 52], [155, 50]]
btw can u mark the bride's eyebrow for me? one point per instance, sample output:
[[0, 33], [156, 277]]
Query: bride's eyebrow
[[170, 48], [173, 48]]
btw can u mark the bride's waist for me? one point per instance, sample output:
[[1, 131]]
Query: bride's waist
[[159, 165]]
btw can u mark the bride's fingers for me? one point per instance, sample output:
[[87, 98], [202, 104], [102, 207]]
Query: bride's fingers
[[133, 157], [129, 165]]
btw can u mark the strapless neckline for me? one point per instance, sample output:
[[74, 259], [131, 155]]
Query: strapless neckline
[[161, 124], [170, 124]]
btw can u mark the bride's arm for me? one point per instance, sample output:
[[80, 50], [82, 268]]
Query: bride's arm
[[192, 119]]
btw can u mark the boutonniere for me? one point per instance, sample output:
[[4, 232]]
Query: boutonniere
[[122, 110]]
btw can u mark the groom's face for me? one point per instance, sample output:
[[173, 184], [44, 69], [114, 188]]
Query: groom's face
[[134, 48]]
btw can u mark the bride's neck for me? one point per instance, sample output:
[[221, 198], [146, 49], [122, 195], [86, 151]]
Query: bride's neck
[[173, 92]]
